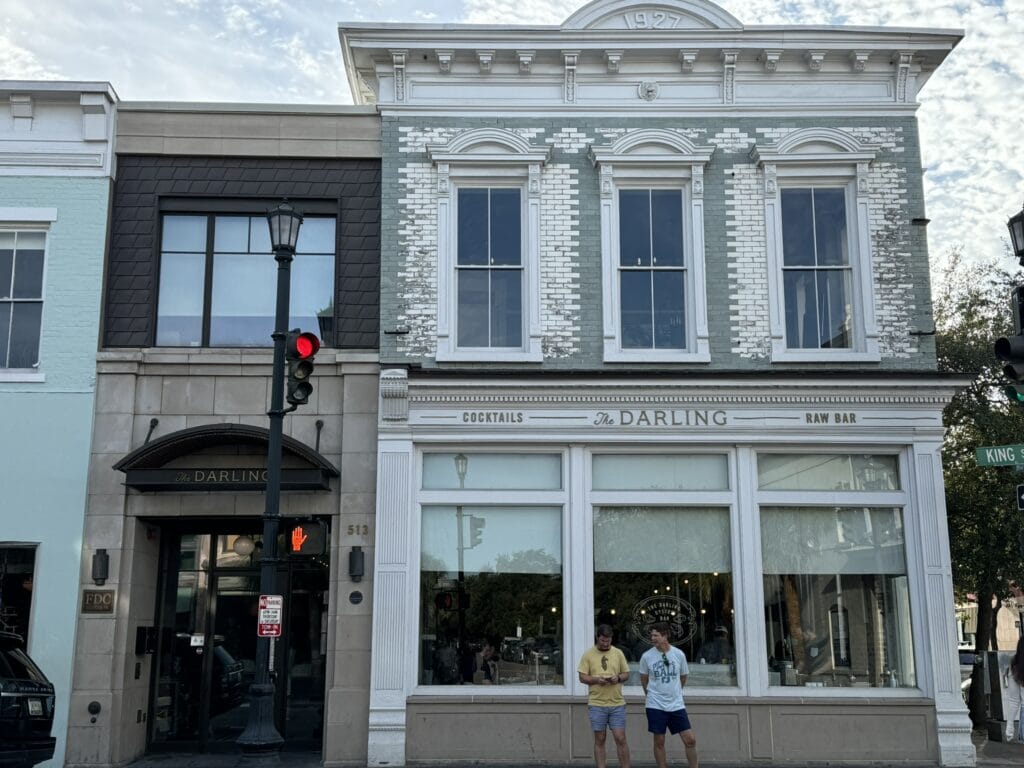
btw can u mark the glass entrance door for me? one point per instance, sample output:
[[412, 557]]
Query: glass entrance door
[[206, 659]]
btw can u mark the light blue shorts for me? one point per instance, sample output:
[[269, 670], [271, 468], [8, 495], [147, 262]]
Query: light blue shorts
[[607, 717]]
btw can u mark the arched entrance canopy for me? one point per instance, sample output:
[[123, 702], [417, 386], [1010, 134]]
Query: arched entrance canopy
[[146, 467]]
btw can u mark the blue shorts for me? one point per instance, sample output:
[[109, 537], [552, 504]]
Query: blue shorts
[[607, 717], [676, 722]]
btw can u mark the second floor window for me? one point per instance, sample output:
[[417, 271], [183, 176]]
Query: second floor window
[[489, 268], [218, 281], [652, 273], [21, 297], [816, 268]]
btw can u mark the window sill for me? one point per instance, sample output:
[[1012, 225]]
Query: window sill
[[19, 376], [648, 356], [825, 356]]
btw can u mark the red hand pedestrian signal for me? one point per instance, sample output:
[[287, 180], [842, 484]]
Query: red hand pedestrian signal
[[299, 537]]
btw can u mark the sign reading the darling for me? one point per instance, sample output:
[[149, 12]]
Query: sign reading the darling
[[676, 612]]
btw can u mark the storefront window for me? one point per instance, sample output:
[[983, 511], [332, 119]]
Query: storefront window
[[827, 472], [837, 604], [17, 567], [491, 595], [667, 564], [661, 472], [492, 471]]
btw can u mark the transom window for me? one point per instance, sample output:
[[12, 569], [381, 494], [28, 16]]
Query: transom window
[[489, 267], [218, 281], [817, 276], [652, 270], [21, 297]]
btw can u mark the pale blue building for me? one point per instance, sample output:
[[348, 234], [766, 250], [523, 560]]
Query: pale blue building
[[56, 167]]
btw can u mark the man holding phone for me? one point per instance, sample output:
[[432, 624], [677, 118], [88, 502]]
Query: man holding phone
[[604, 668]]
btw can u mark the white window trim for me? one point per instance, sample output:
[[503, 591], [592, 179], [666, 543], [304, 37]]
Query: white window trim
[[29, 220], [488, 157], [654, 159], [822, 157]]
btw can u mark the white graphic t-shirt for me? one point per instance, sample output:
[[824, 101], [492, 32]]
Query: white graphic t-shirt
[[663, 670]]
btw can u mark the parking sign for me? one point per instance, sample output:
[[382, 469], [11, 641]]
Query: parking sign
[[271, 609]]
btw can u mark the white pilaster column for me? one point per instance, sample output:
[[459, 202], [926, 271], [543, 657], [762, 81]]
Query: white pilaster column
[[939, 658]]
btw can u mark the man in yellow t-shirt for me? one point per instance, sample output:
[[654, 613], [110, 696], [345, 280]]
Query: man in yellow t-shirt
[[604, 669]]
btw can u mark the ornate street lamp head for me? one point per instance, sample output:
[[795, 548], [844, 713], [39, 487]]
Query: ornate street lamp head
[[284, 223], [1016, 227]]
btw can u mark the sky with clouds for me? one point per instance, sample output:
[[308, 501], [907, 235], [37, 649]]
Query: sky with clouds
[[972, 114]]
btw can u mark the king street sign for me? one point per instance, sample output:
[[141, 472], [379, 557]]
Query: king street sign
[[1000, 455]]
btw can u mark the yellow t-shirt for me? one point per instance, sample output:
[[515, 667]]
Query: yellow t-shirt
[[615, 664]]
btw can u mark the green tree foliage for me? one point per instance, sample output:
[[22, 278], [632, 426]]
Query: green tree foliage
[[971, 310]]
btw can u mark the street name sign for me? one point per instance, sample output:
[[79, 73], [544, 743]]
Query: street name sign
[[999, 455], [271, 608]]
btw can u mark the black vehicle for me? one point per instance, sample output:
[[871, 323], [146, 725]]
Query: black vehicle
[[26, 707]]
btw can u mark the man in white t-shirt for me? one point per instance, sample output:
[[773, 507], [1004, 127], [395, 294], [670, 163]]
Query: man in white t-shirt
[[663, 673]]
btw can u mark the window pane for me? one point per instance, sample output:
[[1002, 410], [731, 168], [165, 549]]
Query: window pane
[[312, 294], [667, 472], [506, 308], [315, 236], [26, 320], [830, 226], [259, 235], [667, 227], [5, 331], [834, 309], [473, 229], [180, 309], [28, 272], [801, 308], [506, 221], [837, 608], [637, 332], [184, 233], [242, 305], [634, 227], [669, 315], [6, 265], [473, 317], [493, 471], [827, 472], [231, 235], [667, 564], [508, 581], [797, 228]]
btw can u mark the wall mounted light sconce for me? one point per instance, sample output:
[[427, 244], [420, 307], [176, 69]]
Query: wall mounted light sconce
[[356, 565], [100, 567]]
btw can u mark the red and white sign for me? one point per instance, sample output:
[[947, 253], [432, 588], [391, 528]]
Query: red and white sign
[[271, 610]]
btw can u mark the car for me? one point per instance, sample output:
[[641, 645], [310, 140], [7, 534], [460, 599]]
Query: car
[[26, 707]]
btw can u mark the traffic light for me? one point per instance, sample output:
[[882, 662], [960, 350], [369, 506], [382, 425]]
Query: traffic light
[[476, 528], [305, 537], [299, 350], [1010, 349]]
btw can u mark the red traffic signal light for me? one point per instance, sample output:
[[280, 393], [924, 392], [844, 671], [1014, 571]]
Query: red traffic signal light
[[305, 537], [301, 345], [299, 349]]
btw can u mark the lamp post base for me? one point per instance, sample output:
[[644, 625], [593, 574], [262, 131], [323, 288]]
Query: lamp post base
[[260, 741]]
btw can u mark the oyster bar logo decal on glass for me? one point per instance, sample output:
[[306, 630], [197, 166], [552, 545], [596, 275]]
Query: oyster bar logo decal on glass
[[679, 614]]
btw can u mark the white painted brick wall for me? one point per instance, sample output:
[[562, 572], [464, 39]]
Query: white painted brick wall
[[748, 267], [560, 261]]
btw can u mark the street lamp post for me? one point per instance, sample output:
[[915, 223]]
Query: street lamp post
[[260, 738]]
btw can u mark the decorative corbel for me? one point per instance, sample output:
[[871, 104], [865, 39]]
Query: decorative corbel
[[21, 111], [729, 59], [612, 59], [443, 183], [814, 60], [771, 180], [770, 58], [571, 60], [606, 183], [486, 58], [533, 180], [444, 60], [903, 60], [859, 60], [697, 181], [863, 187], [394, 394], [398, 61], [525, 61], [687, 58]]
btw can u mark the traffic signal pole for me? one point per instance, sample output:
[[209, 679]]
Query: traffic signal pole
[[261, 738]]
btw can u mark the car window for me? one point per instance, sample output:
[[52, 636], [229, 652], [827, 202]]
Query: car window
[[15, 665]]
